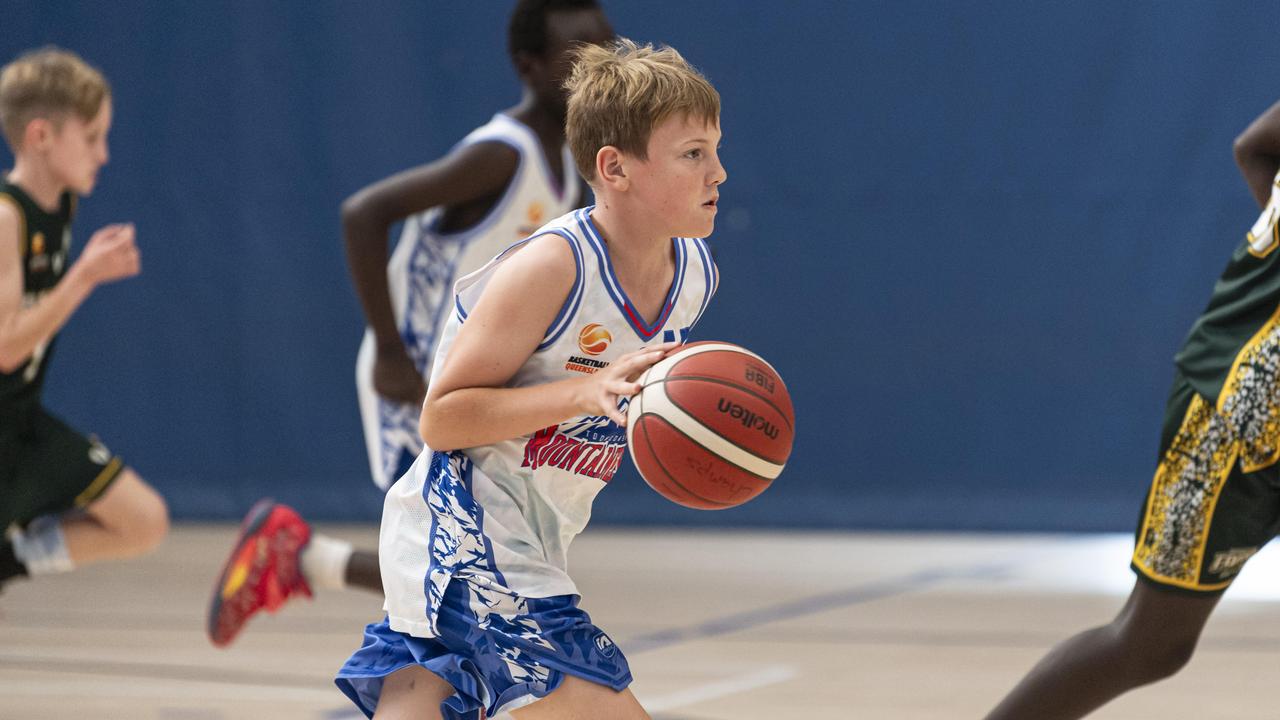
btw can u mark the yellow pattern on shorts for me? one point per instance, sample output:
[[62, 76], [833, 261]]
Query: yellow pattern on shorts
[[1244, 425], [1171, 544], [1250, 398]]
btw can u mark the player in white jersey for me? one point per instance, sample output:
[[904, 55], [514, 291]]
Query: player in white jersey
[[493, 188], [420, 277], [524, 420]]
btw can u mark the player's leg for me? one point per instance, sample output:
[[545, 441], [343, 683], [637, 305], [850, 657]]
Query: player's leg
[[129, 519], [277, 557], [1154, 635], [412, 693], [578, 699], [1207, 511], [75, 503], [362, 571]]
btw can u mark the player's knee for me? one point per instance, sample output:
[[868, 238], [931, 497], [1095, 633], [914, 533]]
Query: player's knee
[[1167, 659], [148, 519], [1154, 656], [154, 526]]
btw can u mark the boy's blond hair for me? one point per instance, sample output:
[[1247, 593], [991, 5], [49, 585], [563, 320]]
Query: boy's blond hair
[[618, 93], [48, 83]]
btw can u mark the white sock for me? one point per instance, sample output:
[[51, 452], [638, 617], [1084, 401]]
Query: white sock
[[324, 562], [42, 547]]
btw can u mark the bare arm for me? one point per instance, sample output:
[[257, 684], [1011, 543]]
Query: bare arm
[[109, 255], [472, 172], [1257, 153], [467, 404]]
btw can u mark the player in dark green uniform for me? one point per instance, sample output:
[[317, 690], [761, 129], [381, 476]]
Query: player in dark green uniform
[[1215, 499], [67, 499]]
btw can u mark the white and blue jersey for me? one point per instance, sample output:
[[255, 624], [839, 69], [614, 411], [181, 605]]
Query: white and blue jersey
[[424, 266], [474, 542], [504, 514]]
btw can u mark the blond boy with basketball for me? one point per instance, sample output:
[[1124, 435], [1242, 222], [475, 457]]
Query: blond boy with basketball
[[482, 616]]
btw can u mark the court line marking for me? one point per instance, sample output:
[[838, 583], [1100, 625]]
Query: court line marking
[[167, 689], [763, 677], [60, 662], [774, 674], [857, 595], [736, 622]]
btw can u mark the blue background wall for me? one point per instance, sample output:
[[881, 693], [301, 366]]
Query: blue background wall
[[970, 235]]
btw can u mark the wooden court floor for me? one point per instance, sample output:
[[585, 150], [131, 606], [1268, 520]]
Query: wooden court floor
[[717, 626]]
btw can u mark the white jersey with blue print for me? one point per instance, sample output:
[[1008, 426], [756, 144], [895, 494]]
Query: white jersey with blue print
[[424, 267], [502, 516]]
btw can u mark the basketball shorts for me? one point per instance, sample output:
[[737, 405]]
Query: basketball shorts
[[499, 653], [48, 468], [1215, 497]]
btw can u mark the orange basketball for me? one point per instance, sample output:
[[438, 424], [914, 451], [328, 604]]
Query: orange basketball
[[711, 426]]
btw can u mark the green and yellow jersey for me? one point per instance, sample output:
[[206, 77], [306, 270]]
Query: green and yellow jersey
[[44, 241], [1239, 327]]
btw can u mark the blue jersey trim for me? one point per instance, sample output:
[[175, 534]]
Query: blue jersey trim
[[472, 506], [427, 606], [643, 329], [571, 302], [704, 253], [491, 560], [570, 308], [457, 301]]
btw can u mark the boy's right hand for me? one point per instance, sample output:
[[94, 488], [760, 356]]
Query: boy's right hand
[[606, 388], [110, 255], [396, 378]]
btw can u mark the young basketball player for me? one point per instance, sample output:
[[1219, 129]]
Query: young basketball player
[[66, 500], [1215, 499], [496, 186], [482, 616]]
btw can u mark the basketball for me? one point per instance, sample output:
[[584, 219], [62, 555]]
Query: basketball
[[711, 427]]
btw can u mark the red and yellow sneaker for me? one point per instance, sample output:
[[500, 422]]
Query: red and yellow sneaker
[[262, 571]]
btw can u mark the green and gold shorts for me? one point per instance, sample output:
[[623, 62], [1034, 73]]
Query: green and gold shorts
[[1215, 498], [47, 467]]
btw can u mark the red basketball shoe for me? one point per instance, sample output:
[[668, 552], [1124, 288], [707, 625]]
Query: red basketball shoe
[[262, 571]]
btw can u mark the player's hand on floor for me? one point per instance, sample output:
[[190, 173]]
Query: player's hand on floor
[[111, 255], [605, 389], [396, 378]]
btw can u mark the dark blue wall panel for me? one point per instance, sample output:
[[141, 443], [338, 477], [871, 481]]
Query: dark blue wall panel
[[971, 235]]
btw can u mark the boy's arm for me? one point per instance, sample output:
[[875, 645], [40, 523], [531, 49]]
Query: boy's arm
[[1257, 153], [472, 172], [467, 404], [109, 255]]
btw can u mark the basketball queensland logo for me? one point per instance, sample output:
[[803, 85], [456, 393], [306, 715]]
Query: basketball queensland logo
[[593, 339]]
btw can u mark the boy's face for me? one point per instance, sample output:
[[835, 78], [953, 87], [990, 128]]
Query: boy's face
[[680, 181], [77, 150], [565, 30]]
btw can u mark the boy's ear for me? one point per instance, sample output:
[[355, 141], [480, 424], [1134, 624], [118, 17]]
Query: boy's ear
[[38, 130], [611, 168], [526, 65]]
